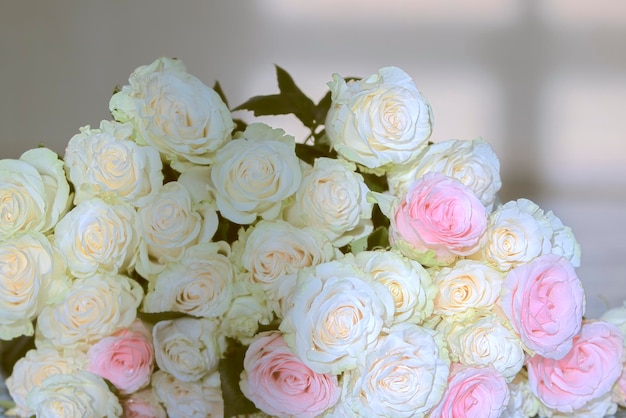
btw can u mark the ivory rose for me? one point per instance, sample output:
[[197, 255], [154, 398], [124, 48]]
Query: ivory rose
[[197, 399], [381, 119], [545, 302], [280, 384], [587, 372], [174, 112], [437, 220], [247, 311]]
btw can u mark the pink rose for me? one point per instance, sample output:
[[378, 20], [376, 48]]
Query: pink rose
[[441, 214], [143, 404], [587, 372], [280, 384], [545, 302], [473, 392], [125, 358]]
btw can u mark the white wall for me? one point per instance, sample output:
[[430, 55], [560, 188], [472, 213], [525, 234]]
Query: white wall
[[543, 80]]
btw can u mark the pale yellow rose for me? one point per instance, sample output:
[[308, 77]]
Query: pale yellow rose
[[174, 112], [32, 274], [107, 163], [255, 173], [92, 308], [197, 399], [379, 120]]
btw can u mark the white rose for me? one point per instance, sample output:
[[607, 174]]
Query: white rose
[[403, 375], [34, 192], [517, 233], [32, 274], [167, 224], [485, 340], [29, 371], [97, 237], [198, 399], [522, 402], [338, 312], [78, 394], [333, 199], [408, 282], [199, 284], [106, 163], [174, 112], [563, 241], [600, 407], [255, 173], [247, 311], [474, 163], [466, 286], [378, 120], [187, 348], [616, 316], [92, 308]]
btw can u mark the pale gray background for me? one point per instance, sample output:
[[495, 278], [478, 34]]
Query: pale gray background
[[543, 80]]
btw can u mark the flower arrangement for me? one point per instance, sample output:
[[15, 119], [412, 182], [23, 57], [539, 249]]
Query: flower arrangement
[[177, 261]]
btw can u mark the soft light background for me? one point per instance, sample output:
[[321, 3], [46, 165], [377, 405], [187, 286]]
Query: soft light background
[[543, 80]]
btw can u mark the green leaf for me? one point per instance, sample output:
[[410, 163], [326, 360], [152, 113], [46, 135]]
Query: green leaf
[[230, 368], [308, 153], [270, 105], [218, 89], [379, 238]]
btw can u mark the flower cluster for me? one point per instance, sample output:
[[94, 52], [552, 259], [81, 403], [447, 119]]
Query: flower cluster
[[177, 261]]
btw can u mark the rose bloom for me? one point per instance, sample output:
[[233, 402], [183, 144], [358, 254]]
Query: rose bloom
[[478, 392], [600, 407], [107, 163], [465, 287], [437, 220], [199, 284], [197, 399], [125, 359], [142, 404], [91, 309], [333, 199], [97, 237], [337, 312], [587, 372], [187, 348], [167, 224], [247, 310], [34, 192], [32, 274], [36, 365], [545, 302], [522, 402], [403, 375], [563, 240], [378, 120], [174, 112], [474, 163], [78, 394], [408, 282], [280, 384], [254, 173]]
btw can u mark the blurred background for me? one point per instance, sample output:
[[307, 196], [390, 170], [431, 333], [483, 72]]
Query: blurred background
[[544, 81]]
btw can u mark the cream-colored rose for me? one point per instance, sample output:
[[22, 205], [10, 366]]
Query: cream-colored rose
[[466, 286], [174, 112], [34, 192], [29, 371], [199, 284], [382, 119], [247, 311], [522, 402], [32, 274], [338, 312], [485, 340], [408, 282], [92, 308], [188, 348], [78, 394], [616, 316], [168, 223], [563, 241], [97, 237], [107, 163], [474, 163], [255, 173], [403, 375], [333, 199], [198, 399]]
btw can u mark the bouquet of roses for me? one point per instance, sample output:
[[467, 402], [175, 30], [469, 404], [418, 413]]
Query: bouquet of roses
[[178, 261]]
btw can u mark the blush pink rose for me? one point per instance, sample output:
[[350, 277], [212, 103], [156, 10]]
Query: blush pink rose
[[143, 404], [281, 385], [473, 392], [545, 302], [125, 358], [587, 372], [441, 214]]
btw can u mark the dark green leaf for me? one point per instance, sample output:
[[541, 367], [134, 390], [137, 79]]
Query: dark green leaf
[[230, 368], [379, 238], [273, 104], [218, 89], [308, 153], [321, 109]]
